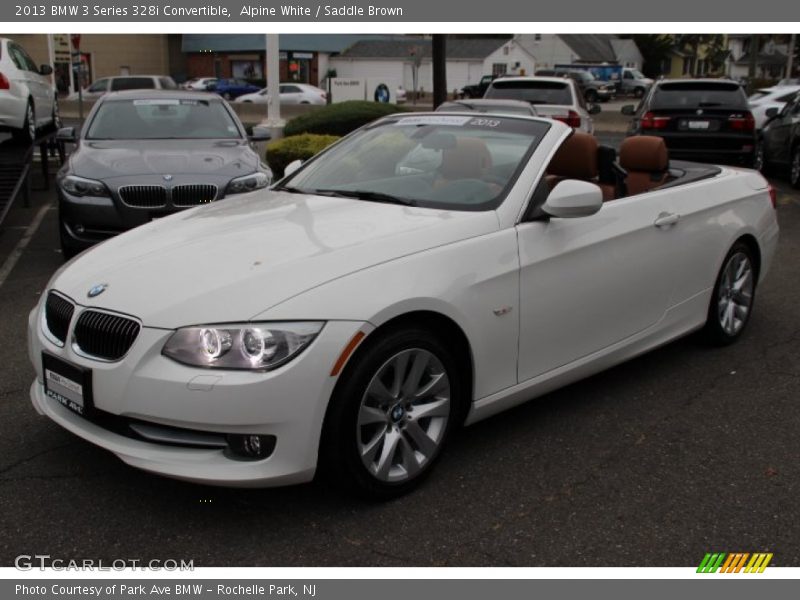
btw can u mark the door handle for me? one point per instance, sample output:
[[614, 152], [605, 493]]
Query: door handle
[[666, 219]]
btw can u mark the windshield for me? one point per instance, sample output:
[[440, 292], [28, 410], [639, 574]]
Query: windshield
[[699, 94], [535, 92], [162, 118], [436, 161], [637, 74]]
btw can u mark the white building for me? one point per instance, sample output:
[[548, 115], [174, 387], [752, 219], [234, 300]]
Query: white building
[[550, 49], [770, 62]]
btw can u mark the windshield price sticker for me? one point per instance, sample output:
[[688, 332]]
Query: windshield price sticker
[[159, 102], [432, 120], [485, 123]]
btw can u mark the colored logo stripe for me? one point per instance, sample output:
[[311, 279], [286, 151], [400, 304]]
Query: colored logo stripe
[[734, 562]]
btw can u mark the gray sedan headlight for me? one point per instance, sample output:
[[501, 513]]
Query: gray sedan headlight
[[253, 346], [80, 186], [248, 183]]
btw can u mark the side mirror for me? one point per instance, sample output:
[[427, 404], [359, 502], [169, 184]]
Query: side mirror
[[573, 198], [772, 112], [292, 167], [628, 109], [67, 134], [594, 109], [45, 70], [260, 134]]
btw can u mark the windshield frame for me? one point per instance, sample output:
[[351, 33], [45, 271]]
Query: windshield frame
[[388, 121], [241, 133]]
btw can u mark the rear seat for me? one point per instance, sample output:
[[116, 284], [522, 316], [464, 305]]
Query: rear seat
[[646, 161], [577, 158]]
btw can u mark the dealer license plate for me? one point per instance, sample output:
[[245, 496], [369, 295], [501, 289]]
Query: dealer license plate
[[68, 384]]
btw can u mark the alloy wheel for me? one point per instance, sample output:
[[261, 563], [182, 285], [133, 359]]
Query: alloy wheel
[[735, 295], [403, 416], [31, 120], [758, 157]]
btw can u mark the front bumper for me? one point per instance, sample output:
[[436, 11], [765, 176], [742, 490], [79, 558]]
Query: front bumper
[[288, 403]]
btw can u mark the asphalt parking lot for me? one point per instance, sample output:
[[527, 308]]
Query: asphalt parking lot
[[680, 452]]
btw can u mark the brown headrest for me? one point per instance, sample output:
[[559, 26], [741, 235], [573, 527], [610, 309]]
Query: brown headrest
[[643, 153], [468, 159], [576, 158]]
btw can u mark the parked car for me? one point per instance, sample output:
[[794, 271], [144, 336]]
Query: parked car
[[145, 154], [764, 99], [633, 82], [290, 93], [230, 89], [700, 119], [27, 97], [200, 84], [593, 89], [554, 97], [501, 107], [477, 90], [401, 283], [121, 83], [779, 144]]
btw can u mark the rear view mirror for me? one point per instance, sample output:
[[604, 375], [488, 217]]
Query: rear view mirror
[[594, 109], [67, 134], [628, 109], [573, 198], [292, 167], [45, 70]]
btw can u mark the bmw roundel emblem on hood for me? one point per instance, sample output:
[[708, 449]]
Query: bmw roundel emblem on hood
[[97, 290], [167, 177]]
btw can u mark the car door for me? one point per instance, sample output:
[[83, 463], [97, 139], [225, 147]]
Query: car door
[[38, 85], [291, 94], [589, 283], [777, 133]]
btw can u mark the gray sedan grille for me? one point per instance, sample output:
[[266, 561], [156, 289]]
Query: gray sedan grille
[[143, 196], [193, 195]]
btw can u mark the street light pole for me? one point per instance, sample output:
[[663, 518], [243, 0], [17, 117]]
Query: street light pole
[[790, 61], [273, 62]]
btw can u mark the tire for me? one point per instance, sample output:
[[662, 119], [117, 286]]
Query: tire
[[638, 92], [370, 410], [733, 297], [27, 135], [591, 96], [227, 96], [794, 167], [759, 163], [55, 124]]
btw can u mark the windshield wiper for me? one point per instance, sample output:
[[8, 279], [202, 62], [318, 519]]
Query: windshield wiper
[[367, 195], [290, 189]]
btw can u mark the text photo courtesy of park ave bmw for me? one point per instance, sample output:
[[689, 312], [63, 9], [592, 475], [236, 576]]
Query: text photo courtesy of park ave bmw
[[308, 286]]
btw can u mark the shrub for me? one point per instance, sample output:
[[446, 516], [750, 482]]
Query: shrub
[[281, 152], [341, 118]]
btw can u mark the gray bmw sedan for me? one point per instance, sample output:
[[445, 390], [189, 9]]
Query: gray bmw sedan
[[145, 154]]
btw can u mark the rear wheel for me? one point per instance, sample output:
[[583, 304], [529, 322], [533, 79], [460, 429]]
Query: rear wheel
[[391, 414], [794, 171], [733, 296]]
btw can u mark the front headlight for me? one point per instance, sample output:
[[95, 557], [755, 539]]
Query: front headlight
[[253, 346], [79, 186], [248, 183]]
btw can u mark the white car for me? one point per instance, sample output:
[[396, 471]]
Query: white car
[[291, 93], [119, 83], [427, 271], [200, 84], [764, 99], [27, 96], [557, 98]]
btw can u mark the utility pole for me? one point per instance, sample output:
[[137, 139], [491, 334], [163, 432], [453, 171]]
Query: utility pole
[[439, 69], [273, 63], [751, 73], [790, 60]]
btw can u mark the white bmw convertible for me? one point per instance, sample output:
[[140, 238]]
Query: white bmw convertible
[[423, 273]]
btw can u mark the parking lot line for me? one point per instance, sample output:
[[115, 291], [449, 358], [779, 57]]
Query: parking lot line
[[12, 259]]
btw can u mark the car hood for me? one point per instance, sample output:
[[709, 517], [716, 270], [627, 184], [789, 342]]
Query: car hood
[[236, 258], [106, 159]]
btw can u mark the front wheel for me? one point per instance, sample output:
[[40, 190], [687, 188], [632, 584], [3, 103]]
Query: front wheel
[[758, 163], [391, 414], [733, 296], [591, 96], [27, 135]]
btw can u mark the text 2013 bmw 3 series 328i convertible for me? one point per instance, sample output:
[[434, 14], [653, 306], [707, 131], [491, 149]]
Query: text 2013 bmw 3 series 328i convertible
[[423, 273]]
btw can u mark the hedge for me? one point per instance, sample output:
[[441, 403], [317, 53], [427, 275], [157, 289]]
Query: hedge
[[341, 118], [281, 152]]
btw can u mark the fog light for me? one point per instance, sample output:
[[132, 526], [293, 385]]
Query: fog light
[[251, 447]]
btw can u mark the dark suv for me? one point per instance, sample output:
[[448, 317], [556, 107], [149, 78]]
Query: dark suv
[[780, 140], [706, 120]]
